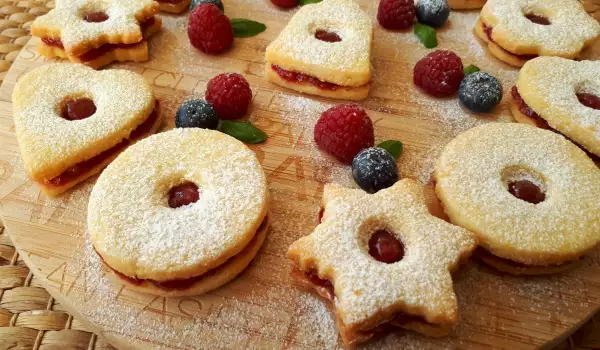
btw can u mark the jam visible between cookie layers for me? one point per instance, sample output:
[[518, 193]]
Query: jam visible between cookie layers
[[483, 252], [79, 169], [99, 51], [300, 78], [188, 282], [588, 100], [324, 288], [488, 32]]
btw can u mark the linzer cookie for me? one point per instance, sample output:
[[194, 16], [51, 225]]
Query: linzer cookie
[[324, 50], [71, 121], [530, 195], [180, 213], [518, 30], [383, 260], [173, 6], [95, 32], [562, 95]]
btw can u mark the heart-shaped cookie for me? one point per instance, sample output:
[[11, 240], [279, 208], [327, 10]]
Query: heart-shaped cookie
[[71, 121]]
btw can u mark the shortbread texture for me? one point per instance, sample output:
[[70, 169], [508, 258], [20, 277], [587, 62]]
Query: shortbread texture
[[66, 22], [571, 27], [50, 144], [136, 232], [472, 176], [346, 63], [549, 86], [368, 291]]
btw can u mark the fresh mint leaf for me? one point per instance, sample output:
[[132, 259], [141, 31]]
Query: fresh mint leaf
[[243, 131], [426, 34], [245, 28], [471, 69], [394, 147]]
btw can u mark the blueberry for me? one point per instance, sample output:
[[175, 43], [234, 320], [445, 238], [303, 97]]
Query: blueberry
[[374, 169], [217, 3], [480, 92], [433, 12], [196, 114]]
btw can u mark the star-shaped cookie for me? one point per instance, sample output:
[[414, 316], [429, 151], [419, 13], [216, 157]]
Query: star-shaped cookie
[[415, 292], [119, 24]]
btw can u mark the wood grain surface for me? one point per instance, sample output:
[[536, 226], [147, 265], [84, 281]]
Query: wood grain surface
[[262, 308]]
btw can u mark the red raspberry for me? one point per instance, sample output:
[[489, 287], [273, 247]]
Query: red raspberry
[[343, 131], [396, 14], [229, 94], [286, 4], [209, 30], [439, 73]]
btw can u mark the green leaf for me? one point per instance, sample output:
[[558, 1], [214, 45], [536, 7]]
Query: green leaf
[[306, 2], [243, 131], [245, 28], [426, 34], [394, 147], [471, 69]]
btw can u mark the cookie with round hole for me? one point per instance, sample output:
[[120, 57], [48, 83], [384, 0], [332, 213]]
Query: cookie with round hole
[[180, 225], [562, 95], [71, 121], [529, 194], [96, 33], [324, 50], [383, 260], [516, 31], [173, 6]]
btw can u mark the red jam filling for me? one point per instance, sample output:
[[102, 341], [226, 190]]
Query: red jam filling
[[187, 282], [527, 191], [488, 32], [327, 36], [384, 247], [79, 169], [538, 19], [321, 212], [299, 78], [526, 110], [78, 109], [103, 49], [183, 194], [95, 17], [589, 100]]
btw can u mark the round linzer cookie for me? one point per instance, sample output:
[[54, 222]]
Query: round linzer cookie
[[519, 30], [562, 95], [529, 194], [466, 4], [181, 213]]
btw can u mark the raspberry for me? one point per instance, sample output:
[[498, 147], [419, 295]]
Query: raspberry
[[343, 131], [286, 4], [209, 30], [439, 73], [230, 95], [396, 14]]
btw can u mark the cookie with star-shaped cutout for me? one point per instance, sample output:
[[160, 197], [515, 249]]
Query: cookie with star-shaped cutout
[[383, 260], [97, 32]]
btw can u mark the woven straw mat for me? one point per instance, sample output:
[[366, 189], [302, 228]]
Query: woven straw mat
[[29, 317]]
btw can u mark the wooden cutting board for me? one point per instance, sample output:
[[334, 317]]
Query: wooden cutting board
[[262, 308]]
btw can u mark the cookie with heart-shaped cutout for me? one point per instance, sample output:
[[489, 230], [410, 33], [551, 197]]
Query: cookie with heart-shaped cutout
[[519, 30], [95, 32], [562, 95], [383, 259], [324, 50], [71, 121]]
